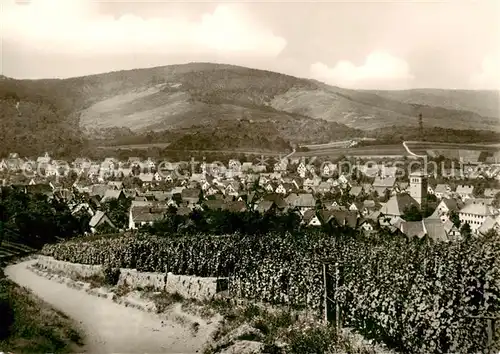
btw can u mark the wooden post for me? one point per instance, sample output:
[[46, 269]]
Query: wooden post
[[337, 307], [490, 334], [325, 293]]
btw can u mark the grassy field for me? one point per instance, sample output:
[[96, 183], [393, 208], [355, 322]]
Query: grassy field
[[375, 150], [135, 146], [28, 325], [422, 146]]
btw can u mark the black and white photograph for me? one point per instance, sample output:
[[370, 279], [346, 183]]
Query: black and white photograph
[[250, 177]]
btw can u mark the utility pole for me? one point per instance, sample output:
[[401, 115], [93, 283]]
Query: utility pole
[[420, 127]]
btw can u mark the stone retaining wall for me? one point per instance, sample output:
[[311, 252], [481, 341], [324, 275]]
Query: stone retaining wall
[[188, 286], [195, 287], [71, 269], [135, 279]]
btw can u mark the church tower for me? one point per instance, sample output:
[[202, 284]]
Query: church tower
[[418, 187]]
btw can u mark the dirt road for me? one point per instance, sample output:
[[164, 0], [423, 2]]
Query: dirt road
[[110, 327]]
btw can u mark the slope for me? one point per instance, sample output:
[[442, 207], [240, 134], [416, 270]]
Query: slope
[[61, 115]]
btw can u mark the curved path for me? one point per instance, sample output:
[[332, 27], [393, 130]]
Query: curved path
[[410, 152], [109, 327]]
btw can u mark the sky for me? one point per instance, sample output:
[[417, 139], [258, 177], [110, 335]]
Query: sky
[[360, 45]]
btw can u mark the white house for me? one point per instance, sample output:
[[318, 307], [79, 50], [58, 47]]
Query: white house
[[475, 214]]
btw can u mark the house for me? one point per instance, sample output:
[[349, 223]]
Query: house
[[271, 187], [281, 165], [284, 188], [447, 205], [277, 199], [464, 191], [388, 171], [323, 187], [380, 185], [110, 194], [303, 202], [191, 195], [343, 180], [100, 219], [328, 169], [469, 156], [197, 177], [93, 171], [161, 196], [147, 178], [356, 191], [475, 214], [133, 160], [491, 192], [370, 170], [342, 218], [123, 172], [148, 165], [442, 191], [311, 183], [82, 163], [433, 228], [234, 165], [370, 206], [398, 204], [236, 206], [265, 206], [247, 167], [401, 187], [490, 223], [116, 185], [452, 231], [98, 190], [44, 160], [140, 215], [83, 207], [232, 188], [367, 225], [486, 201], [356, 206], [310, 218], [301, 169], [214, 204]]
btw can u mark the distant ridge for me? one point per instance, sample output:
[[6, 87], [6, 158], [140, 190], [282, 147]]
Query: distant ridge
[[67, 112]]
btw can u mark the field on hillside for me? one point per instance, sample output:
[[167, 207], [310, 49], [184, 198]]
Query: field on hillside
[[423, 145], [135, 146], [375, 150], [416, 296]]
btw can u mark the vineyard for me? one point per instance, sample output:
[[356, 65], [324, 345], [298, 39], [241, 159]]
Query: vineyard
[[415, 296]]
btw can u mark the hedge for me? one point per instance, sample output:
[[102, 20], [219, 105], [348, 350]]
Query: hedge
[[416, 296]]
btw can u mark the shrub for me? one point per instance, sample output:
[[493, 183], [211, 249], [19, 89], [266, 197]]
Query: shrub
[[111, 275], [311, 341], [6, 315]]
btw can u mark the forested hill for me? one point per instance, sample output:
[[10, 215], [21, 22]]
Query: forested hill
[[61, 115]]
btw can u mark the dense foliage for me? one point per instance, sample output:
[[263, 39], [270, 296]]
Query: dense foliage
[[34, 219], [220, 222], [414, 295]]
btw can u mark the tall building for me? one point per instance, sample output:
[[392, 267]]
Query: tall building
[[418, 186]]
